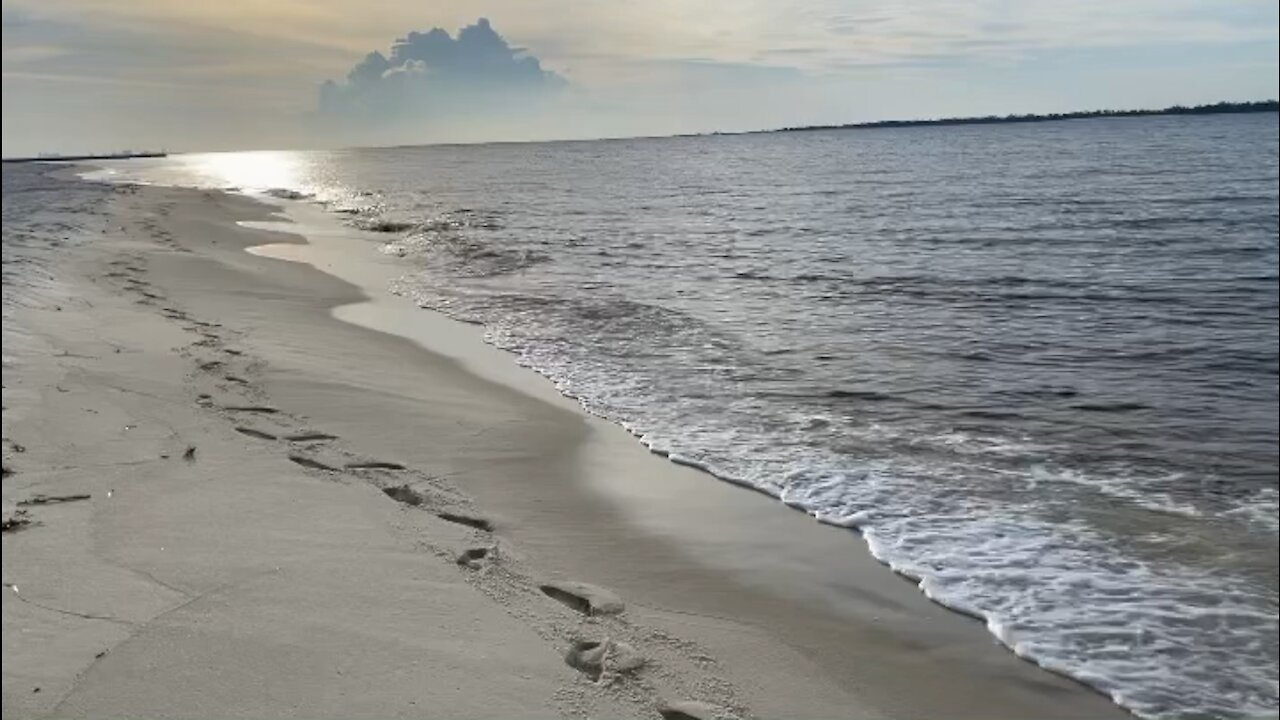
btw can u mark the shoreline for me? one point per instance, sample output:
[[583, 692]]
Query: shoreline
[[725, 614], [424, 327]]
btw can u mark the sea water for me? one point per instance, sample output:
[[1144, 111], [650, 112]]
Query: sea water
[[1034, 366]]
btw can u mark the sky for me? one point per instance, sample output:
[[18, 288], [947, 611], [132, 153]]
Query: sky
[[94, 75]]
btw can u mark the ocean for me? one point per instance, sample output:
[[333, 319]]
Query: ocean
[[1032, 366]]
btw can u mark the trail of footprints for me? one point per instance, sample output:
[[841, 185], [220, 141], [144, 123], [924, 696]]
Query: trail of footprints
[[615, 657]]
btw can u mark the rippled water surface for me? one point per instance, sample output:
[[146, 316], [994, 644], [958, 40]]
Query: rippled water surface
[[1035, 364]]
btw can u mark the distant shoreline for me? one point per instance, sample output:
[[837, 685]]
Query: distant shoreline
[[84, 158], [1221, 108]]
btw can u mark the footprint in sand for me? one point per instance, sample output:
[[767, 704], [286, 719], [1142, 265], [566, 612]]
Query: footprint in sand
[[690, 710], [307, 462], [473, 558], [594, 658], [255, 433], [310, 437], [374, 465], [478, 523], [405, 494], [585, 598]]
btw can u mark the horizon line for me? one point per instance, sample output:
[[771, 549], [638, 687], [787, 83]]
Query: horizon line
[[1224, 107]]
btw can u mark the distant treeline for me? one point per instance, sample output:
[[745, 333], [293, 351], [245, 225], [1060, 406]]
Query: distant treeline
[[1214, 109]]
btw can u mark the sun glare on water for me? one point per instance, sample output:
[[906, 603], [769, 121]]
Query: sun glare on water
[[250, 171]]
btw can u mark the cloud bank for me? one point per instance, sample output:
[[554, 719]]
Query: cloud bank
[[433, 77], [85, 75]]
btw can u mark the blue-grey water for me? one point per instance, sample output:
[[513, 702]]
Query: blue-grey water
[[1035, 365]]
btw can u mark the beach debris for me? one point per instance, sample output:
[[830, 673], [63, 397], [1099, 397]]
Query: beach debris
[[100, 654], [478, 523], [585, 598], [689, 710], [190, 454], [602, 658], [307, 462], [252, 408], [5, 470], [211, 365], [52, 499], [13, 521]]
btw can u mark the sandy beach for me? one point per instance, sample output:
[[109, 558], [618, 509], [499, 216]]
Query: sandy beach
[[247, 481]]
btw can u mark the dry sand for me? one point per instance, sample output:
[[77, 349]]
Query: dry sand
[[309, 498]]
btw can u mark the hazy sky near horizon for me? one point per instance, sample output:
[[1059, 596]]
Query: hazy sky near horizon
[[92, 75]]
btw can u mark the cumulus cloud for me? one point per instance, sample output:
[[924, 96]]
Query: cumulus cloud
[[432, 76]]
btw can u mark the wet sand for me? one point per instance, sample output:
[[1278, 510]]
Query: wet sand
[[310, 498]]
